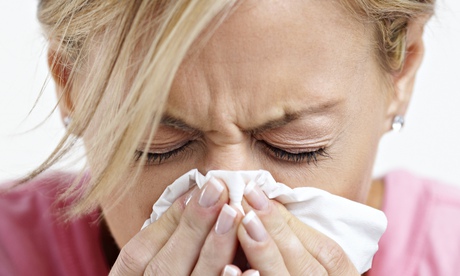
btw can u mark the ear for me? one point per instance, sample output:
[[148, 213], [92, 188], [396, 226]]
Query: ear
[[60, 69], [403, 81]]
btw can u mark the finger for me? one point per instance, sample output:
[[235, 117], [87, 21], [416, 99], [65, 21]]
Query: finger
[[296, 257], [328, 253], [251, 272], [180, 253], [137, 253], [232, 270], [259, 248], [220, 245]]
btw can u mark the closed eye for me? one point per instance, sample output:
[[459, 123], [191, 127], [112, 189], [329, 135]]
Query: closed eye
[[158, 158], [298, 157]]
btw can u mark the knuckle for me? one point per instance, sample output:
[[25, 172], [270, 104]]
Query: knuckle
[[311, 267], [153, 268], [212, 251], [191, 224], [173, 214], [133, 256], [292, 246], [279, 231], [171, 218], [127, 262], [164, 264], [208, 253], [331, 256], [283, 236], [294, 223], [195, 221]]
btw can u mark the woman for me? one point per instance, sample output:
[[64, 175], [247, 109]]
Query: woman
[[302, 89]]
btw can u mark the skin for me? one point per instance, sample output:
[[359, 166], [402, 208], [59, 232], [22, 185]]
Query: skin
[[297, 75]]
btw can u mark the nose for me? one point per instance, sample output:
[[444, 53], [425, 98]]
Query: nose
[[230, 157]]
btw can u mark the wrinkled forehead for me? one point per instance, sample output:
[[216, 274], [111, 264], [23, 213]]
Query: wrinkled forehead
[[258, 30], [276, 34], [280, 48], [284, 36]]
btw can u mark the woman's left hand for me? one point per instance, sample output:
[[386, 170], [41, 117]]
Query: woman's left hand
[[275, 242]]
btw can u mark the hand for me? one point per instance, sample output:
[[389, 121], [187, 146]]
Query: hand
[[275, 242], [186, 240]]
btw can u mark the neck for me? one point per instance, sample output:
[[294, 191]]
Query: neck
[[109, 246], [375, 198]]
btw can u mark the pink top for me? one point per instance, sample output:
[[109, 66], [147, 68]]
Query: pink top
[[35, 241], [423, 236]]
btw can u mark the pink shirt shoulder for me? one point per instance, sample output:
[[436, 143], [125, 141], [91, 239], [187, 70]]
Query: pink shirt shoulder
[[35, 241], [423, 234]]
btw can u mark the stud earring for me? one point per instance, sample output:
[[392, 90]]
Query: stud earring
[[398, 123], [67, 121]]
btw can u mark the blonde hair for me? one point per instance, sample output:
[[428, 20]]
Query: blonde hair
[[390, 19], [111, 33]]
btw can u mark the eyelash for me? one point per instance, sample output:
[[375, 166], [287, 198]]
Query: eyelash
[[158, 158], [308, 157]]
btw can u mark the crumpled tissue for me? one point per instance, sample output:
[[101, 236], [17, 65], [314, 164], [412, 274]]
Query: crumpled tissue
[[356, 227]]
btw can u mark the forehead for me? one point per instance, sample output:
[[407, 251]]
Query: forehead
[[266, 52], [262, 30]]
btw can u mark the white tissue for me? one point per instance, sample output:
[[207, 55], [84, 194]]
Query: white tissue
[[356, 227]]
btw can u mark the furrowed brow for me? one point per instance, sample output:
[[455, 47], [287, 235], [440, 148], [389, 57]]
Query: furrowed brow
[[289, 117], [171, 121], [168, 120], [286, 119]]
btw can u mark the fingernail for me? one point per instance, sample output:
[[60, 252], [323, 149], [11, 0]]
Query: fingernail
[[254, 273], [254, 227], [190, 195], [225, 221], [230, 271], [188, 198], [211, 193], [255, 196]]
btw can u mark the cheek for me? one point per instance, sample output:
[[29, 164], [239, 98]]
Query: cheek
[[348, 177], [347, 174], [127, 217], [358, 149]]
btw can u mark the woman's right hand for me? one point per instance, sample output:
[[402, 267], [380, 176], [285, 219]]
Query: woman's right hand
[[198, 237]]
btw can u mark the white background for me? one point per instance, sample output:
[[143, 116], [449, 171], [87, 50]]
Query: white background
[[429, 144]]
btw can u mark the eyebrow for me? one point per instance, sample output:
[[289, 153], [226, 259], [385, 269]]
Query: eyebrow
[[171, 121], [168, 120], [286, 119]]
